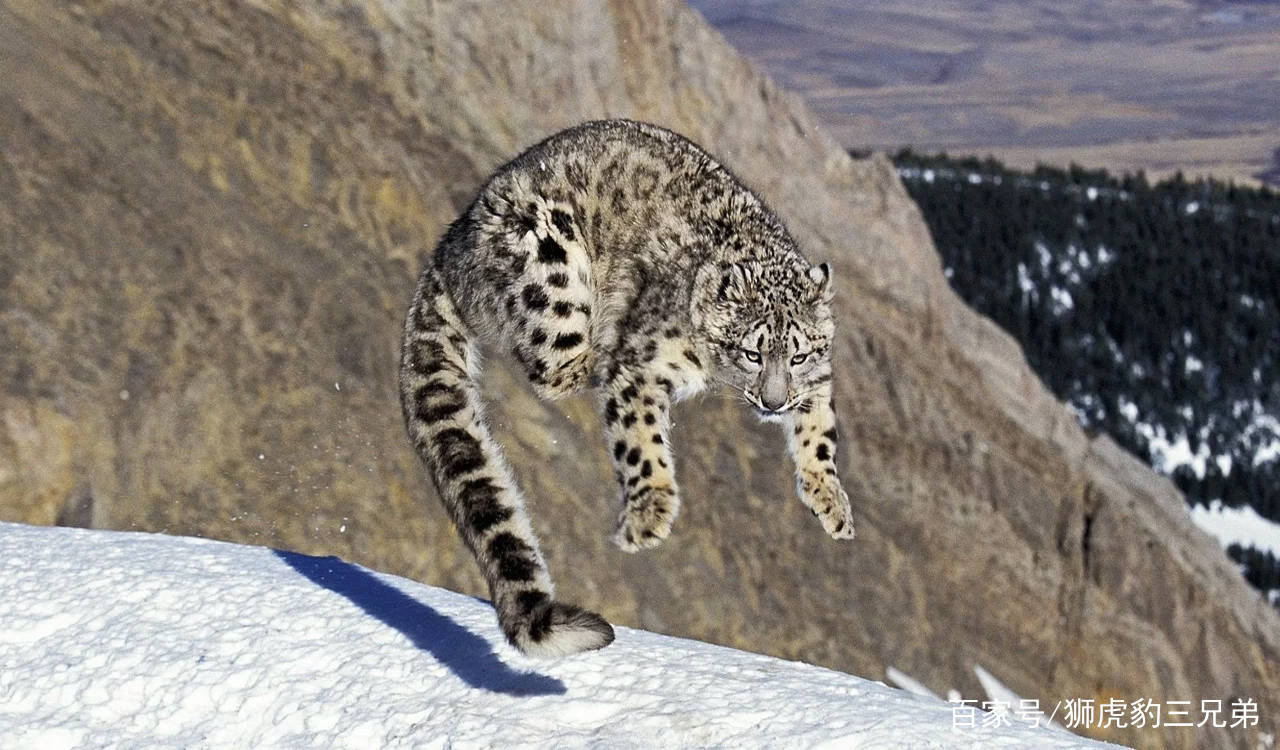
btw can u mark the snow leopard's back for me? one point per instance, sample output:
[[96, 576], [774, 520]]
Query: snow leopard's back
[[642, 203]]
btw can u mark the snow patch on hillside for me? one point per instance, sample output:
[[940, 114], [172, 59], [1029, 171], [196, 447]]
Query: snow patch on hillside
[[139, 640], [1241, 526]]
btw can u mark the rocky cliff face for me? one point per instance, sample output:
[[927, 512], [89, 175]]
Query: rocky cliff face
[[211, 224]]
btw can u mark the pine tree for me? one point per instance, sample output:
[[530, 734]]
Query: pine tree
[[1175, 305]]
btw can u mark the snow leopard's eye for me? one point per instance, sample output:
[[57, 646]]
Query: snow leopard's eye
[[752, 356], [799, 359]]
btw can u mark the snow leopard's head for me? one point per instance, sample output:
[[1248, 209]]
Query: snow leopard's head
[[770, 329]]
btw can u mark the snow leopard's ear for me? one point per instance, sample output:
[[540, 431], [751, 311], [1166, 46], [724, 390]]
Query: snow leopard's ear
[[820, 276]]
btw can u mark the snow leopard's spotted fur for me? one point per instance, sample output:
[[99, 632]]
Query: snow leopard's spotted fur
[[619, 255]]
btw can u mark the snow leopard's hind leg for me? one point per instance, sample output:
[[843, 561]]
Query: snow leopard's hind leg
[[441, 400], [550, 305]]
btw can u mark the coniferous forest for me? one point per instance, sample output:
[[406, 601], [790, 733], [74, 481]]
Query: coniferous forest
[[1153, 310]]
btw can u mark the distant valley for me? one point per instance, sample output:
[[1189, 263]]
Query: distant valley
[[1116, 84]]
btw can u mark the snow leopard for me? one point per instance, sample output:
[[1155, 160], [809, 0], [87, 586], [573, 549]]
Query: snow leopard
[[620, 256]]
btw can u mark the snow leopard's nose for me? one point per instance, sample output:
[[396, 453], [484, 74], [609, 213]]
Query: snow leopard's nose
[[773, 391]]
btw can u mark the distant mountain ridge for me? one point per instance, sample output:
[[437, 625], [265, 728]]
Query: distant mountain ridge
[[1112, 84]]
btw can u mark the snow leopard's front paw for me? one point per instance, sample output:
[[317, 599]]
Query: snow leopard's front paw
[[646, 518], [829, 502]]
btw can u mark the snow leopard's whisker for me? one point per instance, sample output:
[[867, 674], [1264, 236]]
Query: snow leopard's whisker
[[802, 395]]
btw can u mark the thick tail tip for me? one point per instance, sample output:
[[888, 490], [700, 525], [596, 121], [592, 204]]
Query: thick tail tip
[[559, 629]]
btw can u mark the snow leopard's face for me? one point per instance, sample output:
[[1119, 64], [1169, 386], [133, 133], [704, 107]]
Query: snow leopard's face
[[771, 330]]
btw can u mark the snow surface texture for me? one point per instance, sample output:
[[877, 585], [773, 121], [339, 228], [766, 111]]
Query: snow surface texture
[[140, 640]]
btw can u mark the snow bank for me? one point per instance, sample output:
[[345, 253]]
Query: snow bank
[[136, 640]]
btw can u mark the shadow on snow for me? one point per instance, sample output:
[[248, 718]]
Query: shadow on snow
[[468, 655]]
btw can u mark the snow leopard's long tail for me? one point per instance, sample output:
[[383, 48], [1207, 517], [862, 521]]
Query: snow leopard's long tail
[[439, 392]]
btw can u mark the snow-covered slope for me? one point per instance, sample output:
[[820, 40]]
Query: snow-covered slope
[[118, 639]]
